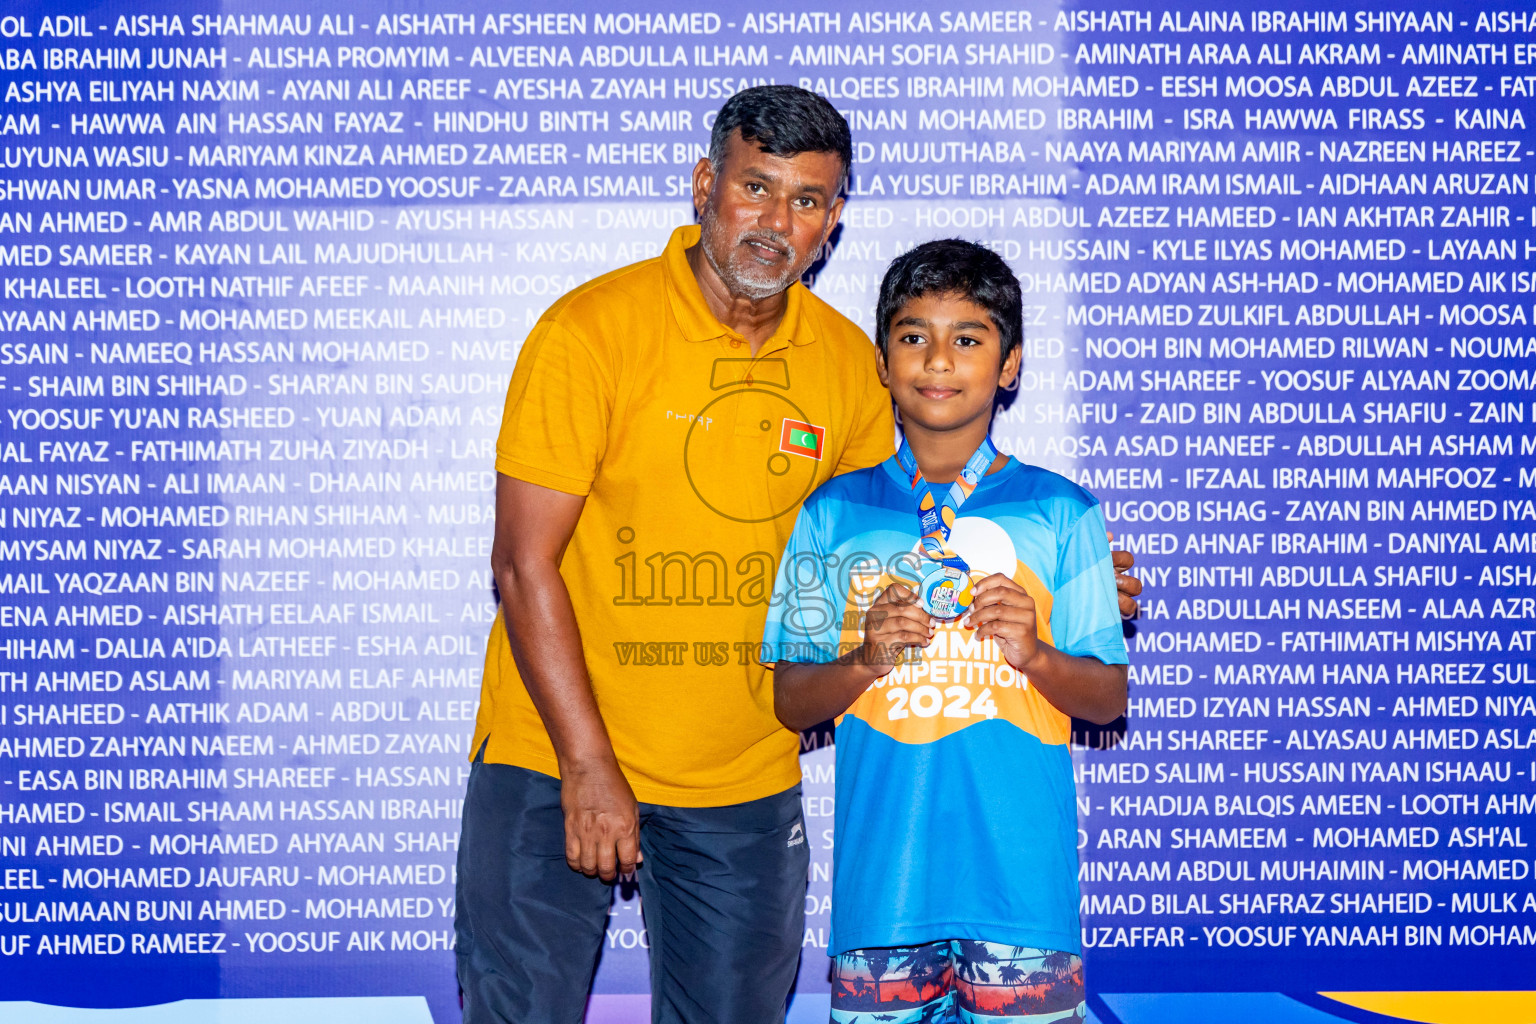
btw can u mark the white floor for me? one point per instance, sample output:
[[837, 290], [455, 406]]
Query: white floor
[[361, 1010]]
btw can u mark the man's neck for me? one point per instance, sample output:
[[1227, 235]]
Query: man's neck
[[754, 319], [942, 454]]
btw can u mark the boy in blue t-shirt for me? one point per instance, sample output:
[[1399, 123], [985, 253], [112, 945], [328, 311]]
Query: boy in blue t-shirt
[[954, 889]]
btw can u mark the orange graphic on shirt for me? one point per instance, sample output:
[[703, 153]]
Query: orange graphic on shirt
[[957, 682]]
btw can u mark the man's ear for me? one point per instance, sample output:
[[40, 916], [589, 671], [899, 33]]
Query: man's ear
[[834, 213], [1011, 365], [703, 183]]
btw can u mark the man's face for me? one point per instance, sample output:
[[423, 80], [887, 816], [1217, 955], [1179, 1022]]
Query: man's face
[[764, 218]]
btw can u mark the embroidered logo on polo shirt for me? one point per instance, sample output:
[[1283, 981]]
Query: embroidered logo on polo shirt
[[800, 438]]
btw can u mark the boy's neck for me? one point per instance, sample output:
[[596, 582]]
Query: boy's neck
[[942, 454]]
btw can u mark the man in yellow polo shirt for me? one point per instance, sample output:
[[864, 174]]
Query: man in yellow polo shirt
[[663, 425], [693, 446]]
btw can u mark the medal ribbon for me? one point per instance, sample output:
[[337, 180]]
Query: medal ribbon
[[935, 520]]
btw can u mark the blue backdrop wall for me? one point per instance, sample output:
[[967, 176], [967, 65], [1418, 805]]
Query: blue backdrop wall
[[266, 269]]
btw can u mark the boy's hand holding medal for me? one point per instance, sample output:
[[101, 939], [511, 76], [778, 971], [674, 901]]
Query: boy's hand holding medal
[[895, 623], [1004, 611]]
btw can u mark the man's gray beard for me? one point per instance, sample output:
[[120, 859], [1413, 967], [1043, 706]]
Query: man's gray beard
[[735, 276]]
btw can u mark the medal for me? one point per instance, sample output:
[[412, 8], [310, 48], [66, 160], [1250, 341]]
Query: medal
[[945, 590]]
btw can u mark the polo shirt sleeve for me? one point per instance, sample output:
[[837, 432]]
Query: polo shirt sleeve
[[874, 428], [1085, 615], [554, 428], [805, 614]]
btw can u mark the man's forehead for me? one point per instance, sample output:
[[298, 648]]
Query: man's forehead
[[811, 169]]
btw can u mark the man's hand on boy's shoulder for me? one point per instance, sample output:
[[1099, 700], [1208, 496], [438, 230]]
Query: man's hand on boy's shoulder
[[1004, 611], [1127, 588]]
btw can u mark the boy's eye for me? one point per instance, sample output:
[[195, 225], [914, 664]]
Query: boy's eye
[[912, 339], [966, 341]]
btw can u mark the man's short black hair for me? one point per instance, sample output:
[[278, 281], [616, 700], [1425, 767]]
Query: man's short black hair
[[784, 120], [952, 266]]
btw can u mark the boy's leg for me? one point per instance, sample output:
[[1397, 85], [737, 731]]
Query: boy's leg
[[1001, 984], [723, 894], [528, 927], [895, 985]]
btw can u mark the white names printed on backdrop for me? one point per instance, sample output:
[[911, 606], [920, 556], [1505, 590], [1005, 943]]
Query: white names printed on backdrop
[[266, 271]]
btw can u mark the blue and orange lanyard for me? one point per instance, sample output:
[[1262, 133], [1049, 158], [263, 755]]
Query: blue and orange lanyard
[[937, 519]]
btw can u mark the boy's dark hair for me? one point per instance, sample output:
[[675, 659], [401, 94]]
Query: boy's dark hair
[[784, 120], [953, 266]]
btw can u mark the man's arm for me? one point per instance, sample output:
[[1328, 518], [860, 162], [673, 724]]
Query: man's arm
[[533, 526]]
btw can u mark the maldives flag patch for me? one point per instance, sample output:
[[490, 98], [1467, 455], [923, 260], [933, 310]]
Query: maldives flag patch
[[800, 438]]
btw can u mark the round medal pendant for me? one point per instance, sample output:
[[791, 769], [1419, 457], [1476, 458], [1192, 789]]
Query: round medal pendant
[[945, 592]]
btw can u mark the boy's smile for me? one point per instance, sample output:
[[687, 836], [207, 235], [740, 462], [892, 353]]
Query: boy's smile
[[943, 366]]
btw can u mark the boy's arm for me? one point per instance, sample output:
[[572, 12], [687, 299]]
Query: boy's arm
[[1080, 687], [806, 694]]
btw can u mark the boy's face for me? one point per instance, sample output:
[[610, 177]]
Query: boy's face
[[943, 362]]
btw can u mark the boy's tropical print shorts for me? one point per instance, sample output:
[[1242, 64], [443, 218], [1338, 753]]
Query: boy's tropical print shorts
[[958, 980]]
